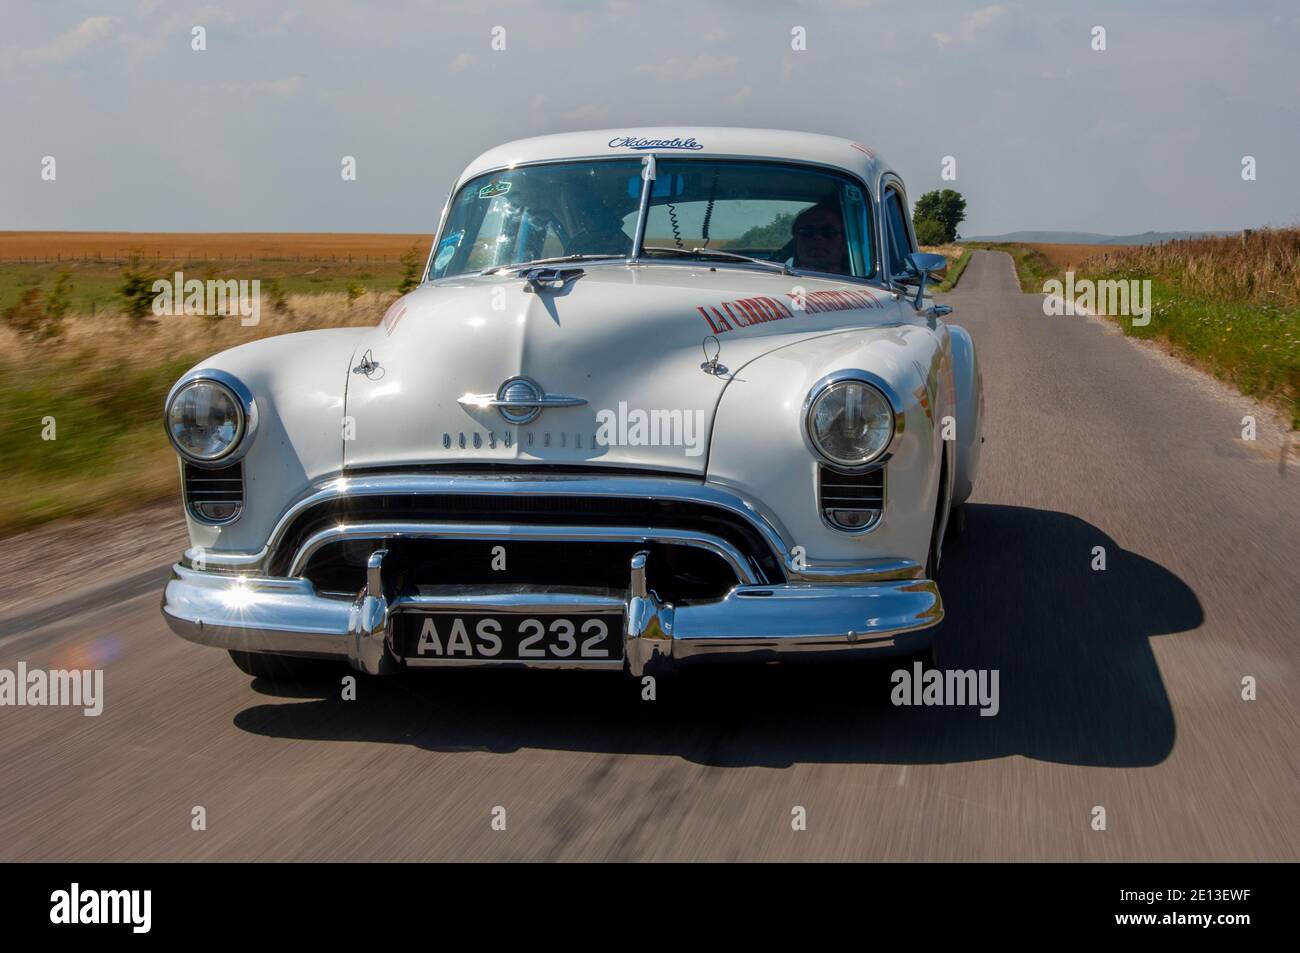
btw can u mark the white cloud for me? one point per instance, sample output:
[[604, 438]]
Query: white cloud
[[740, 95], [971, 24], [283, 88], [698, 68], [69, 44], [587, 112]]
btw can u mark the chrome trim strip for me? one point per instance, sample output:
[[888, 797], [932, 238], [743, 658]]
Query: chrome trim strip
[[286, 616], [745, 572], [254, 614], [546, 400], [511, 600], [675, 488], [868, 570], [682, 489], [786, 622]]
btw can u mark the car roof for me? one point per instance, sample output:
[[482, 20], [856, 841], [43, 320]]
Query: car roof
[[671, 141]]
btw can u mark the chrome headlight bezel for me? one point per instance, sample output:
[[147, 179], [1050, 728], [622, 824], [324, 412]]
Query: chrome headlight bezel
[[841, 379], [243, 400]]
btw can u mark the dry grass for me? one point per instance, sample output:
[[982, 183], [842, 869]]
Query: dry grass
[[1230, 304], [1263, 269], [114, 341], [1070, 257], [951, 252], [103, 383]]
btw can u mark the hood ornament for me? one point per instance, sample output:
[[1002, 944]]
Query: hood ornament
[[711, 365], [520, 400], [368, 365]]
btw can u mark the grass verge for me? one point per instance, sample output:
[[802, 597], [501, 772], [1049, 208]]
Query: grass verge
[[954, 272], [1231, 307], [81, 415]]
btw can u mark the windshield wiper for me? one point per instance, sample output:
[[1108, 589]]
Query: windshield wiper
[[559, 259], [718, 253]]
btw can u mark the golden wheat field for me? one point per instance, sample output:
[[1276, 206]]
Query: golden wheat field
[[1262, 267], [1067, 257], [206, 245]]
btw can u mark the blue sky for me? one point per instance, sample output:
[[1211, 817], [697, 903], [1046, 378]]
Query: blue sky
[[247, 135]]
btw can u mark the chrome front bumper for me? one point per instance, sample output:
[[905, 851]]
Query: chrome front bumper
[[750, 623]]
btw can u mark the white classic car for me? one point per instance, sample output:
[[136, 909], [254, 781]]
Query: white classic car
[[665, 396]]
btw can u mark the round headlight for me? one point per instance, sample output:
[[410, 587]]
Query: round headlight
[[850, 423], [205, 421]]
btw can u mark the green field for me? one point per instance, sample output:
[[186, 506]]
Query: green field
[[95, 284]]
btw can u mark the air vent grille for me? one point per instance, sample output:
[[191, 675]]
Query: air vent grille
[[851, 501], [214, 495]]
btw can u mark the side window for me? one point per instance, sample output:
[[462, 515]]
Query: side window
[[898, 243]]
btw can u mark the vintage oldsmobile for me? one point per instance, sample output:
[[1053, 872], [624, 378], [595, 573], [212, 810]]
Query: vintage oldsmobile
[[665, 396]]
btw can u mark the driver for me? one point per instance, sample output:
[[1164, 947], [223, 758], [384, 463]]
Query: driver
[[819, 243], [597, 228]]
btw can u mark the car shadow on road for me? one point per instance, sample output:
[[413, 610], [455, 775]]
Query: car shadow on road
[[1078, 683]]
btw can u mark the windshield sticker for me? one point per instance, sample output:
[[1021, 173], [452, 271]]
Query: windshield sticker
[[495, 187], [446, 249], [633, 142], [746, 312]]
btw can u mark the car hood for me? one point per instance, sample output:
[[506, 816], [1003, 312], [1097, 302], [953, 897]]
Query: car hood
[[627, 340]]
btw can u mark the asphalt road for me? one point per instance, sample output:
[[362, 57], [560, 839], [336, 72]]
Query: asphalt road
[[1119, 688]]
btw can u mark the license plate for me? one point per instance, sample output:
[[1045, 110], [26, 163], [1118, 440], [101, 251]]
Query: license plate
[[541, 637]]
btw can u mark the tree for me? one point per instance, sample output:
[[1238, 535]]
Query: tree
[[411, 262], [136, 291], [929, 231], [37, 318], [946, 207], [774, 234], [279, 297]]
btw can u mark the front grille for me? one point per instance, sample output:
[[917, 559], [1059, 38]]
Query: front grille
[[679, 574], [851, 501], [214, 495], [534, 510]]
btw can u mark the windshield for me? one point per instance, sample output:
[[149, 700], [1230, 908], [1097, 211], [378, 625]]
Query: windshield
[[541, 211], [808, 219]]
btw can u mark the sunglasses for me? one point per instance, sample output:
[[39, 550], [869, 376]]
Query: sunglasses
[[826, 231]]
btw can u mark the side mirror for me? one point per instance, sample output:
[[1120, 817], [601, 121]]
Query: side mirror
[[927, 265]]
